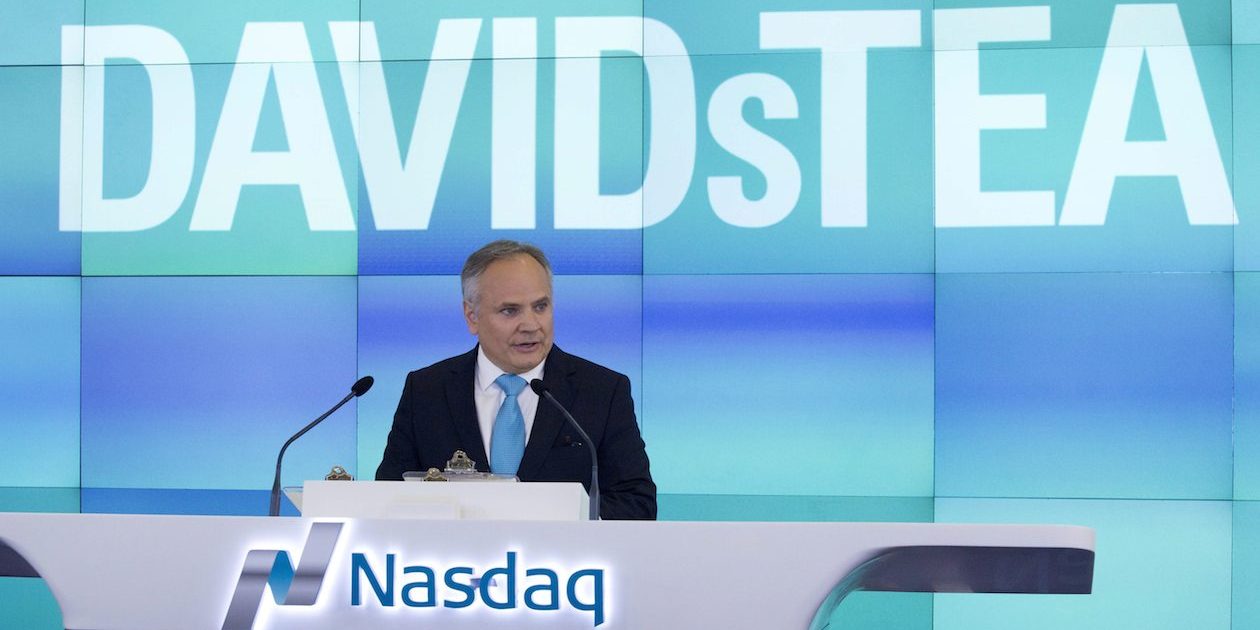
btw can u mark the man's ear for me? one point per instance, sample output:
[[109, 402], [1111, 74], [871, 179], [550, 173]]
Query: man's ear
[[470, 317]]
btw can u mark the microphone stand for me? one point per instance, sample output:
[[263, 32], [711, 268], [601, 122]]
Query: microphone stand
[[360, 387], [541, 389]]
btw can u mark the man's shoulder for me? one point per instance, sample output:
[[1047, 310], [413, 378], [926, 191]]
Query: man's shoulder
[[442, 370], [584, 369]]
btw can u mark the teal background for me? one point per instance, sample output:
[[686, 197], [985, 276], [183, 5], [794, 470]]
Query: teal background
[[737, 30], [30, 32], [1085, 23], [1246, 563], [30, 243], [406, 29], [1246, 60], [1103, 376], [211, 33], [1246, 21]]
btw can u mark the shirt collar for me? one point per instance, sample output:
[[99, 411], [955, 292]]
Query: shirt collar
[[487, 371]]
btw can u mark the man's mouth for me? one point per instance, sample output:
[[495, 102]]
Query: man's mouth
[[529, 346]]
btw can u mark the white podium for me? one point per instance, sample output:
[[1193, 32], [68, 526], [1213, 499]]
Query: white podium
[[189, 572], [415, 500]]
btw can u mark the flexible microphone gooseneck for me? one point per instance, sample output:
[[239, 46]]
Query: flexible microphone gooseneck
[[359, 388], [541, 389]]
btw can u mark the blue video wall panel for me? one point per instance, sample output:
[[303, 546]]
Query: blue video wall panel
[[1246, 582], [406, 30], [1247, 386], [1160, 564], [1078, 24], [1084, 385], [30, 32], [213, 33], [39, 366], [405, 323], [1246, 61], [789, 384], [739, 29], [31, 241], [196, 382], [1246, 21]]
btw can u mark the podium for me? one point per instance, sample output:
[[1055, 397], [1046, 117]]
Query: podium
[[159, 572], [468, 500]]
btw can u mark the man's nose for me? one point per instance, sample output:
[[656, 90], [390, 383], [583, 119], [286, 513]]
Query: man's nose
[[529, 322]]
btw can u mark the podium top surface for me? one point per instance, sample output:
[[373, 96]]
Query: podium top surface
[[481, 500]]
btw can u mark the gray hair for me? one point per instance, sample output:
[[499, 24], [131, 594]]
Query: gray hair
[[490, 253]]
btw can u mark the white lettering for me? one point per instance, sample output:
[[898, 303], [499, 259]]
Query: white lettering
[[1189, 150], [402, 194], [844, 38], [962, 112], [672, 103], [70, 190], [160, 56], [733, 133], [279, 50], [513, 124]]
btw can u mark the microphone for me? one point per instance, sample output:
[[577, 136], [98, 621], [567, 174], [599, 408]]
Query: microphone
[[541, 389], [359, 388]]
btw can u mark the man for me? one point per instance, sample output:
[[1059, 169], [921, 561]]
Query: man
[[480, 402]]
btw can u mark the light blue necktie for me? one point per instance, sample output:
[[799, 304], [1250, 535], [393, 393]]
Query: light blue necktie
[[507, 440]]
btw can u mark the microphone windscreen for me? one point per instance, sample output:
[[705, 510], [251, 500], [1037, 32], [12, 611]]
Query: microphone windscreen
[[361, 386], [537, 386]]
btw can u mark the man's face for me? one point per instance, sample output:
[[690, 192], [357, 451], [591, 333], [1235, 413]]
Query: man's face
[[512, 316]]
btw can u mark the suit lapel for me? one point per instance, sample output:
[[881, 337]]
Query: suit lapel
[[558, 376], [463, 409]]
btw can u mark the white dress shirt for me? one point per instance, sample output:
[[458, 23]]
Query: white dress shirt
[[489, 397]]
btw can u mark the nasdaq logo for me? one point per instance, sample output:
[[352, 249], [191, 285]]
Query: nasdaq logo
[[500, 588], [290, 586], [381, 581]]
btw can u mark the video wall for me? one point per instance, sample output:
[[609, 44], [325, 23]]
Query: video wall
[[903, 260]]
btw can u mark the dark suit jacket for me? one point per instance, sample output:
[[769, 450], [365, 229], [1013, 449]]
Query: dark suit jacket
[[437, 415]]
